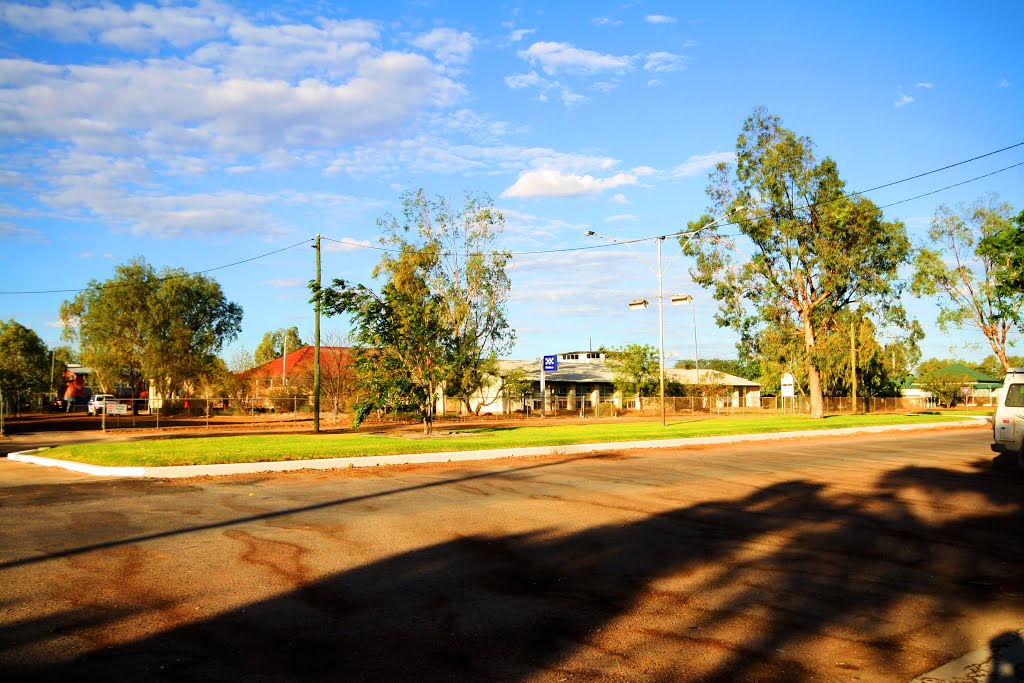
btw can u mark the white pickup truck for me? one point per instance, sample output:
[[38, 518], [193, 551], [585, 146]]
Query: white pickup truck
[[1008, 423]]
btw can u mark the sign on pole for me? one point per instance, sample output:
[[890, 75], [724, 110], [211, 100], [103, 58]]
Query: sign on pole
[[550, 363]]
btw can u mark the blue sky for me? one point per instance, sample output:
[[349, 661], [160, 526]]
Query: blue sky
[[198, 135]]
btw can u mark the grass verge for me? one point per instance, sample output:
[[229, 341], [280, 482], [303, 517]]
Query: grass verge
[[234, 449]]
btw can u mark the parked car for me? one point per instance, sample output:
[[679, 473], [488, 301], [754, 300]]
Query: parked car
[[97, 403], [1008, 423]]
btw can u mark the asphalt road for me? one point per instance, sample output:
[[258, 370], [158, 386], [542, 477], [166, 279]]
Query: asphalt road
[[870, 558]]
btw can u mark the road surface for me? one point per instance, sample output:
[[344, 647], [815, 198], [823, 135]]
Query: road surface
[[868, 558]]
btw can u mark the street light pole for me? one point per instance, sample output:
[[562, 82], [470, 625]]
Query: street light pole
[[660, 274], [661, 331]]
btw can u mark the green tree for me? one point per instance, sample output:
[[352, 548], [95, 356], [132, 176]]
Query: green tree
[[935, 376], [635, 369], [439, 320], [24, 361], [61, 356], [808, 250], [471, 278], [276, 342], [992, 366], [515, 384], [964, 267], [739, 367], [166, 327], [1007, 245], [402, 342]]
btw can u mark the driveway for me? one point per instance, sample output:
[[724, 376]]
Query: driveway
[[868, 558]]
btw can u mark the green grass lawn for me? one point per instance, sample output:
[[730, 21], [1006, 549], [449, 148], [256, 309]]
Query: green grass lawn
[[230, 449]]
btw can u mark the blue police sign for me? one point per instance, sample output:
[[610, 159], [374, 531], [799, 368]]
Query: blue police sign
[[550, 363]]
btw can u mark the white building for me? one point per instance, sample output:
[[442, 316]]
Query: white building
[[583, 381]]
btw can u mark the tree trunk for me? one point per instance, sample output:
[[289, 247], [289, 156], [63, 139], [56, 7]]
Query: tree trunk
[[814, 391], [813, 376]]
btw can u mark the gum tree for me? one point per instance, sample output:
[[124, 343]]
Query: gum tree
[[805, 250], [966, 268], [438, 322], [139, 325]]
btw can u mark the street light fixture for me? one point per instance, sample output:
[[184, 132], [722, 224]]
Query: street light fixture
[[686, 235], [679, 300], [638, 303]]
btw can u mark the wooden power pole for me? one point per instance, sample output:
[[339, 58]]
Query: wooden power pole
[[316, 345]]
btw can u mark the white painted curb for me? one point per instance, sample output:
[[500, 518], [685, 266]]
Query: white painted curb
[[178, 471]]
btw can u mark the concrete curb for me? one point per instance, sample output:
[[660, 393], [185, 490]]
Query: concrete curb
[[179, 471]]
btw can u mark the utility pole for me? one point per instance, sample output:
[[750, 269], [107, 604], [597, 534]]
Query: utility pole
[[316, 345], [853, 370]]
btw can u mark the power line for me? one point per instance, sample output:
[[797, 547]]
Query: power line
[[948, 187], [724, 224], [589, 246], [165, 278], [936, 170]]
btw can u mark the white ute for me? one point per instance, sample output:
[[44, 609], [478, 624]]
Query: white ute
[[1008, 423]]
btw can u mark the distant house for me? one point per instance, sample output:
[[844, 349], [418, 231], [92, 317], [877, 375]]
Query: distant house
[[982, 387], [295, 370], [76, 392], [584, 379]]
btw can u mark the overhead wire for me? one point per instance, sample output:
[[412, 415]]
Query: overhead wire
[[619, 242], [601, 245], [164, 278]]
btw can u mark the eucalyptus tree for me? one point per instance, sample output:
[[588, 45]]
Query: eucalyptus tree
[[166, 326], [805, 249], [24, 361], [969, 269], [276, 343], [439, 321], [635, 369]]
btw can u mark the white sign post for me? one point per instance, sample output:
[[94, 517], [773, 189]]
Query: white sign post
[[548, 364], [788, 391]]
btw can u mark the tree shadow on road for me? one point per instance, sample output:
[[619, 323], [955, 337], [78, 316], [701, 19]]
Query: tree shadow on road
[[775, 585]]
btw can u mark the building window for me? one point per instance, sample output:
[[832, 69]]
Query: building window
[[570, 356], [594, 355]]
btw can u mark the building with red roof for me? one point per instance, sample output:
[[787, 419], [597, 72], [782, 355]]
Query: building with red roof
[[293, 374]]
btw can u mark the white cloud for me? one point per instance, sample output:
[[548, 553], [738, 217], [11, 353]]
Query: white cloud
[[447, 45], [554, 58], [663, 62], [654, 83], [548, 182], [163, 106], [619, 218], [925, 85], [520, 33], [1001, 83], [620, 198], [902, 99], [141, 27], [605, 21], [519, 81], [699, 163], [285, 283], [331, 50], [571, 99], [437, 154], [659, 19], [55, 324], [11, 231]]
